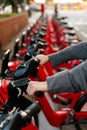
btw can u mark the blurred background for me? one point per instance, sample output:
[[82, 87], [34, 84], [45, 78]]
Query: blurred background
[[76, 10], [24, 5]]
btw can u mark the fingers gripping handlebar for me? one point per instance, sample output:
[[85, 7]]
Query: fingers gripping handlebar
[[16, 89], [20, 86]]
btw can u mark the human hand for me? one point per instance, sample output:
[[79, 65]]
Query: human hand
[[35, 86], [43, 58]]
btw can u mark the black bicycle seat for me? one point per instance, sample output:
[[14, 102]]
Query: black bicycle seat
[[71, 33], [72, 41]]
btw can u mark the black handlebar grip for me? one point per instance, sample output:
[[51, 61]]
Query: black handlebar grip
[[23, 118], [39, 94], [33, 109]]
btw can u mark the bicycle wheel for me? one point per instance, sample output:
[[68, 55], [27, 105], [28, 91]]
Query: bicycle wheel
[[81, 105]]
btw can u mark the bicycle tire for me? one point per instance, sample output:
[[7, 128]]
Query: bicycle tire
[[79, 107]]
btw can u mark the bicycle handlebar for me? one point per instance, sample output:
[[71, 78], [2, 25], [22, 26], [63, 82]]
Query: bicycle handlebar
[[16, 89], [24, 117], [21, 86], [18, 119], [27, 68]]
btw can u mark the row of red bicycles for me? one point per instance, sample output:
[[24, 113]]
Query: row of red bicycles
[[17, 109]]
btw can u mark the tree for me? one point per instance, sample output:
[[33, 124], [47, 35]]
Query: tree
[[14, 3]]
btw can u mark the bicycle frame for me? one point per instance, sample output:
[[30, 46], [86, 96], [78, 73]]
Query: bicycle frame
[[58, 118], [31, 126], [63, 116]]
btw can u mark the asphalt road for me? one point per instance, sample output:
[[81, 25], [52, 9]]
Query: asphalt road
[[78, 19]]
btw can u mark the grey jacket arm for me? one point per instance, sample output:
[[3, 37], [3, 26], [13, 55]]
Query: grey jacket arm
[[78, 51], [73, 80]]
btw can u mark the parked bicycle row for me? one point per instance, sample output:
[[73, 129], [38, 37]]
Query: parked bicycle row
[[46, 36]]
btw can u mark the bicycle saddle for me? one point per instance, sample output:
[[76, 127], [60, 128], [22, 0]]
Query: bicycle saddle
[[72, 41], [71, 33], [69, 27]]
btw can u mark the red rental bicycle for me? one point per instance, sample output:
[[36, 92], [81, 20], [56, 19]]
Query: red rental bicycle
[[74, 102], [61, 117], [72, 105], [4, 89]]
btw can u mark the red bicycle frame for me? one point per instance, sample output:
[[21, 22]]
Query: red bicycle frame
[[31, 126], [59, 117]]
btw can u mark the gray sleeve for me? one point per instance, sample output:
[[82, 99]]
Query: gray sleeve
[[78, 51], [73, 80]]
